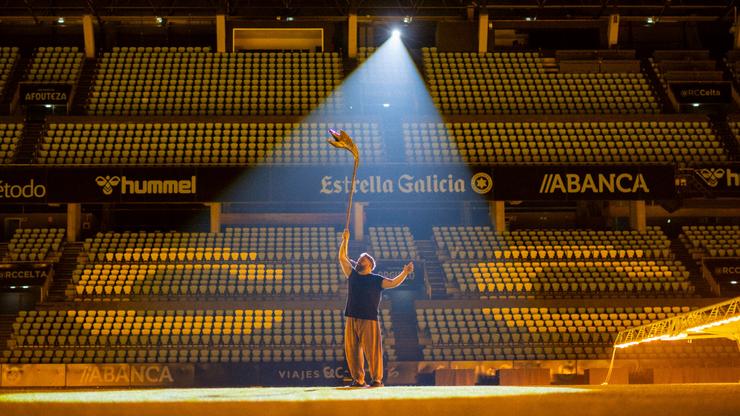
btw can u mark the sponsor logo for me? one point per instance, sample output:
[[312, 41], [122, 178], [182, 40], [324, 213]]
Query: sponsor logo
[[575, 183], [701, 92], [147, 186], [481, 183], [14, 375], [18, 191], [151, 374], [107, 183], [405, 184], [327, 372], [713, 177], [23, 274], [124, 375], [45, 96], [727, 270]]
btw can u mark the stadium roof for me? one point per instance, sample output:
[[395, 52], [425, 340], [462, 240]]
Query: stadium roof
[[270, 9]]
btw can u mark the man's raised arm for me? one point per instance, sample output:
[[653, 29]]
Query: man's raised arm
[[396, 281], [343, 257]]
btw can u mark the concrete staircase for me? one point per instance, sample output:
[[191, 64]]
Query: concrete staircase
[[403, 316], [434, 279], [83, 87], [32, 134], [678, 248], [63, 272]]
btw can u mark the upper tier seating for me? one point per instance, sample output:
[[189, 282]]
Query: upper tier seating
[[693, 65], [242, 262], [546, 333], [233, 245], [192, 81], [181, 336], [568, 279], [559, 263], [35, 244], [733, 63], [201, 279], [527, 83], [363, 53], [10, 136], [735, 128], [482, 242], [8, 59], [55, 64], [712, 241], [681, 142], [392, 243], [202, 143]]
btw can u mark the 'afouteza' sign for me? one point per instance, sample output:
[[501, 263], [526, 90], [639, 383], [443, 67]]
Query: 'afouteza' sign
[[708, 92], [45, 93]]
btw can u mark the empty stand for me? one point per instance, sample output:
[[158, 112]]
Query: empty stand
[[202, 142], [528, 83], [35, 244], [690, 65], [191, 81], [569, 279], [392, 243], [560, 263], [491, 333], [649, 141], [10, 137], [55, 64], [712, 241], [180, 336], [249, 262], [8, 59]]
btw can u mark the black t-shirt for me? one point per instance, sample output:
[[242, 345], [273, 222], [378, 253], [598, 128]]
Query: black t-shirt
[[363, 298]]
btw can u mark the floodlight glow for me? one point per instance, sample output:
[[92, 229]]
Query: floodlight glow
[[386, 105], [396, 33], [695, 105], [60, 20]]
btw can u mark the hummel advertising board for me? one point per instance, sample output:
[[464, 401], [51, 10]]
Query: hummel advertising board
[[392, 183], [716, 180]]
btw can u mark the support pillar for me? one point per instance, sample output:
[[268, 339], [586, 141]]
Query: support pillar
[[483, 31], [638, 216], [352, 35], [613, 31], [88, 30], [497, 212], [736, 35], [358, 220], [221, 33], [74, 222], [215, 224]]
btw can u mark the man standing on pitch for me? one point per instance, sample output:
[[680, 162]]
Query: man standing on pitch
[[362, 329]]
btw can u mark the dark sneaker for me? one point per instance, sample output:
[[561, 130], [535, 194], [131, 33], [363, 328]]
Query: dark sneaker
[[355, 384], [377, 384]]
